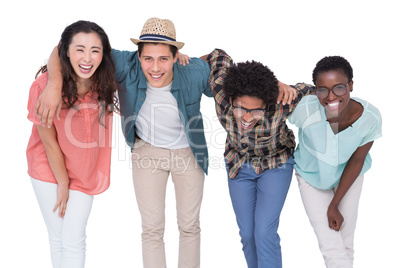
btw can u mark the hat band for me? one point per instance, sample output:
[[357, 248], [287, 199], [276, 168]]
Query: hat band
[[155, 37]]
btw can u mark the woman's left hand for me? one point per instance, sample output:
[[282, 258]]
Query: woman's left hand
[[335, 218], [183, 59], [62, 198]]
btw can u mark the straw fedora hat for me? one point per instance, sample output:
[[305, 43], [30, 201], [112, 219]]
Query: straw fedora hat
[[157, 30]]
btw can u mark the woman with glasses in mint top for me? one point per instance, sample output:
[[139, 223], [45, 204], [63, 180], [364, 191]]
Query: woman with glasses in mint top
[[336, 133], [259, 149]]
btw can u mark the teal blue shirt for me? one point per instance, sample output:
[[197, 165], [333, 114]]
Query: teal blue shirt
[[321, 155], [189, 83]]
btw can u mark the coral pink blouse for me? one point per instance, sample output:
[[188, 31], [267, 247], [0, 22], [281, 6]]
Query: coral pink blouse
[[85, 143]]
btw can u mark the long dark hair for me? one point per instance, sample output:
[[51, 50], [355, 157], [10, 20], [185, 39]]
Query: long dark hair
[[103, 81]]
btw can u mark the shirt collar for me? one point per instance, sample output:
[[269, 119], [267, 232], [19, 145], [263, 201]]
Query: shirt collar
[[143, 80], [175, 82]]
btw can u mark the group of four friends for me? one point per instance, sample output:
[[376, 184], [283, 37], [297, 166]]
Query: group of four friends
[[157, 91]]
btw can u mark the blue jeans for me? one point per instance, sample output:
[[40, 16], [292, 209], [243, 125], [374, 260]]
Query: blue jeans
[[257, 202]]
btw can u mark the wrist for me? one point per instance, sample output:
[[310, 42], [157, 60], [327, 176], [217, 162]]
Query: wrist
[[63, 183], [56, 84], [334, 204]]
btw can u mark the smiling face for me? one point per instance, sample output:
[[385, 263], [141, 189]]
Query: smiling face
[[85, 53], [157, 64], [333, 104], [247, 121]]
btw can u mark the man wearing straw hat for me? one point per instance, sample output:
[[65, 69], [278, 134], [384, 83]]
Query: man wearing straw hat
[[162, 123]]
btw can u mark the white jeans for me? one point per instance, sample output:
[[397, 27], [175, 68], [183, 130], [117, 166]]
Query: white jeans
[[66, 235], [336, 247]]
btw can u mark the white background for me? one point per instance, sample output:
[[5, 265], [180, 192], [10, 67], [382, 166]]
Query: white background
[[287, 36]]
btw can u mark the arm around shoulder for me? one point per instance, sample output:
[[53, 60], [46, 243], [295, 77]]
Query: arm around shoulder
[[49, 102]]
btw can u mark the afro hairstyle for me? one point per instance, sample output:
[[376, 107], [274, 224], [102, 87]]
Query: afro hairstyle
[[251, 79]]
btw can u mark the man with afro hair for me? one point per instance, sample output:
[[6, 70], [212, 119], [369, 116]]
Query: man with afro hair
[[258, 151], [251, 79]]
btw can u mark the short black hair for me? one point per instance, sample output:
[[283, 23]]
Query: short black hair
[[172, 48], [330, 63], [251, 79]]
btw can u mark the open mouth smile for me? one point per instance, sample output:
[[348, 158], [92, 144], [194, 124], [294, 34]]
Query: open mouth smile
[[85, 68], [333, 105], [156, 77], [246, 125]]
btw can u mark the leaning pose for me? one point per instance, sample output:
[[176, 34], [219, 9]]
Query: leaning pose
[[259, 149], [69, 161], [336, 133]]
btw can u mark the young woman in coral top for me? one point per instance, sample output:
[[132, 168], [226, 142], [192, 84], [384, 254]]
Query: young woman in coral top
[[69, 161]]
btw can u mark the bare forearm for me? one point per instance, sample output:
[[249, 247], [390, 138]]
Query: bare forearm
[[351, 172], [57, 164], [54, 154], [49, 102], [349, 176], [55, 79], [204, 58]]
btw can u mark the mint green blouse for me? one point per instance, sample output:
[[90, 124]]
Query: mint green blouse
[[321, 155]]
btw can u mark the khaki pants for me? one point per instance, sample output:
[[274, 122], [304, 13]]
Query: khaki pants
[[151, 168]]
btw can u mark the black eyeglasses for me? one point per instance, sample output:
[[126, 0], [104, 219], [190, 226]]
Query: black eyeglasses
[[240, 111], [338, 90]]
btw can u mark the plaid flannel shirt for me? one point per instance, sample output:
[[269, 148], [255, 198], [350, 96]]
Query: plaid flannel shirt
[[270, 143]]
